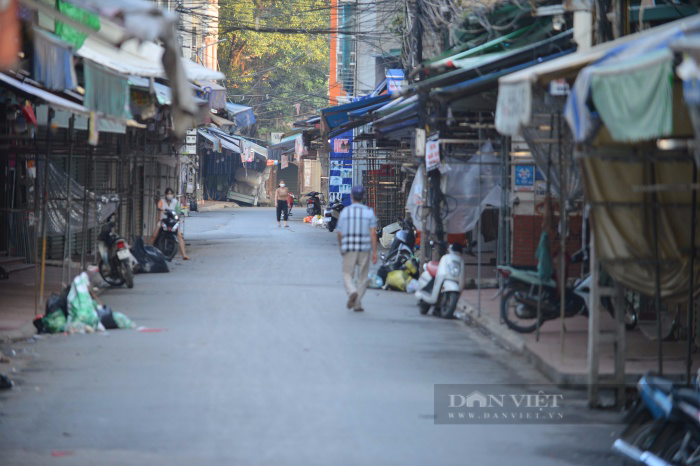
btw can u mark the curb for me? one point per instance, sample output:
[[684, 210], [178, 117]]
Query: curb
[[213, 207], [219, 205], [24, 332], [516, 343]]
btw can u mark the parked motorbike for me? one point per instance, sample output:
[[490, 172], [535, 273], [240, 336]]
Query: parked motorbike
[[400, 251], [166, 241], [440, 284], [663, 427], [313, 203], [291, 200], [523, 288], [332, 213], [116, 261], [403, 244]]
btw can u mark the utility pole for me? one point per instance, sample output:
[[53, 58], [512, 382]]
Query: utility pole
[[418, 34]]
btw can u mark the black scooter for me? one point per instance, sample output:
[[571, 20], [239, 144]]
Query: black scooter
[[401, 249], [313, 203], [332, 214], [403, 244], [166, 241]]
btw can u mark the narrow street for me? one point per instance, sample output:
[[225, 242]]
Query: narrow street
[[259, 362]]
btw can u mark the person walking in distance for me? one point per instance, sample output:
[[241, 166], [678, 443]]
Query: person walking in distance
[[281, 195], [357, 238]]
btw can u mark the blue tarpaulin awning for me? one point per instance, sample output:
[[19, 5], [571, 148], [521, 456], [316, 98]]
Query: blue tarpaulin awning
[[471, 86], [336, 116], [53, 62], [275, 151], [242, 115]]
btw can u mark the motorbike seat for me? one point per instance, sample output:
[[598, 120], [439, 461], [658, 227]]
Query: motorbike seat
[[432, 268]]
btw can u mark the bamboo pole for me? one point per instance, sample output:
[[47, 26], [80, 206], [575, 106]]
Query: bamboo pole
[[691, 281], [44, 209]]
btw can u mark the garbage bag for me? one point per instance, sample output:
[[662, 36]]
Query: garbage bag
[[412, 286], [53, 304], [150, 259], [397, 280], [375, 281], [58, 302], [122, 320], [81, 306], [383, 271], [52, 323], [106, 317], [112, 319], [411, 266]]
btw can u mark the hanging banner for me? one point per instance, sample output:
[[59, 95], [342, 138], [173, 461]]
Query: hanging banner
[[285, 161], [299, 149], [432, 152], [340, 176]]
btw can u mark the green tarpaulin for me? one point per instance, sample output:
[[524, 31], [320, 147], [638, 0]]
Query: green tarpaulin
[[106, 92], [70, 34], [635, 98]]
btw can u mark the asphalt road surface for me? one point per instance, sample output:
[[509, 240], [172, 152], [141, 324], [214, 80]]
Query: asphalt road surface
[[257, 362]]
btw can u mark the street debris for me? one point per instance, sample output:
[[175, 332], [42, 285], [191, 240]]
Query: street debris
[[375, 281], [150, 259], [150, 330], [5, 382], [79, 312]]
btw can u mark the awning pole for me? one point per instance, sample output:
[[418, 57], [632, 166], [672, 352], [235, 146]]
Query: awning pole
[[35, 232], [45, 205], [691, 280], [478, 230], [657, 273], [563, 220], [84, 236], [67, 243]]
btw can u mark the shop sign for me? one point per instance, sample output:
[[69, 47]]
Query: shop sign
[[559, 87], [432, 152], [524, 177], [189, 149]]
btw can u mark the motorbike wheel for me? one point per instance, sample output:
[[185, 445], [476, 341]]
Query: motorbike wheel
[[168, 246], [678, 449], [331, 225], [107, 277], [509, 305], [448, 304], [630, 311], [423, 307], [127, 273]]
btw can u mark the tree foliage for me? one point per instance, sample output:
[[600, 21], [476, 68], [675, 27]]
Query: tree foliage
[[275, 72]]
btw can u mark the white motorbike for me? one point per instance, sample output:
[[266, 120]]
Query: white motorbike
[[441, 283], [116, 262]]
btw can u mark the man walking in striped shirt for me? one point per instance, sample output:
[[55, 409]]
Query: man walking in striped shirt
[[357, 237]]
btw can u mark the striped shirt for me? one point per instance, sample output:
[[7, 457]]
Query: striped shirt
[[354, 224]]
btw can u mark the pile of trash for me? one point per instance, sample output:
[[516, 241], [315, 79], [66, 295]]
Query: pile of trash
[[402, 278], [315, 220], [77, 310]]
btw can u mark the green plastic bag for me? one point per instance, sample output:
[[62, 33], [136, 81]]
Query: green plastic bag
[[55, 322], [81, 306], [122, 320]]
